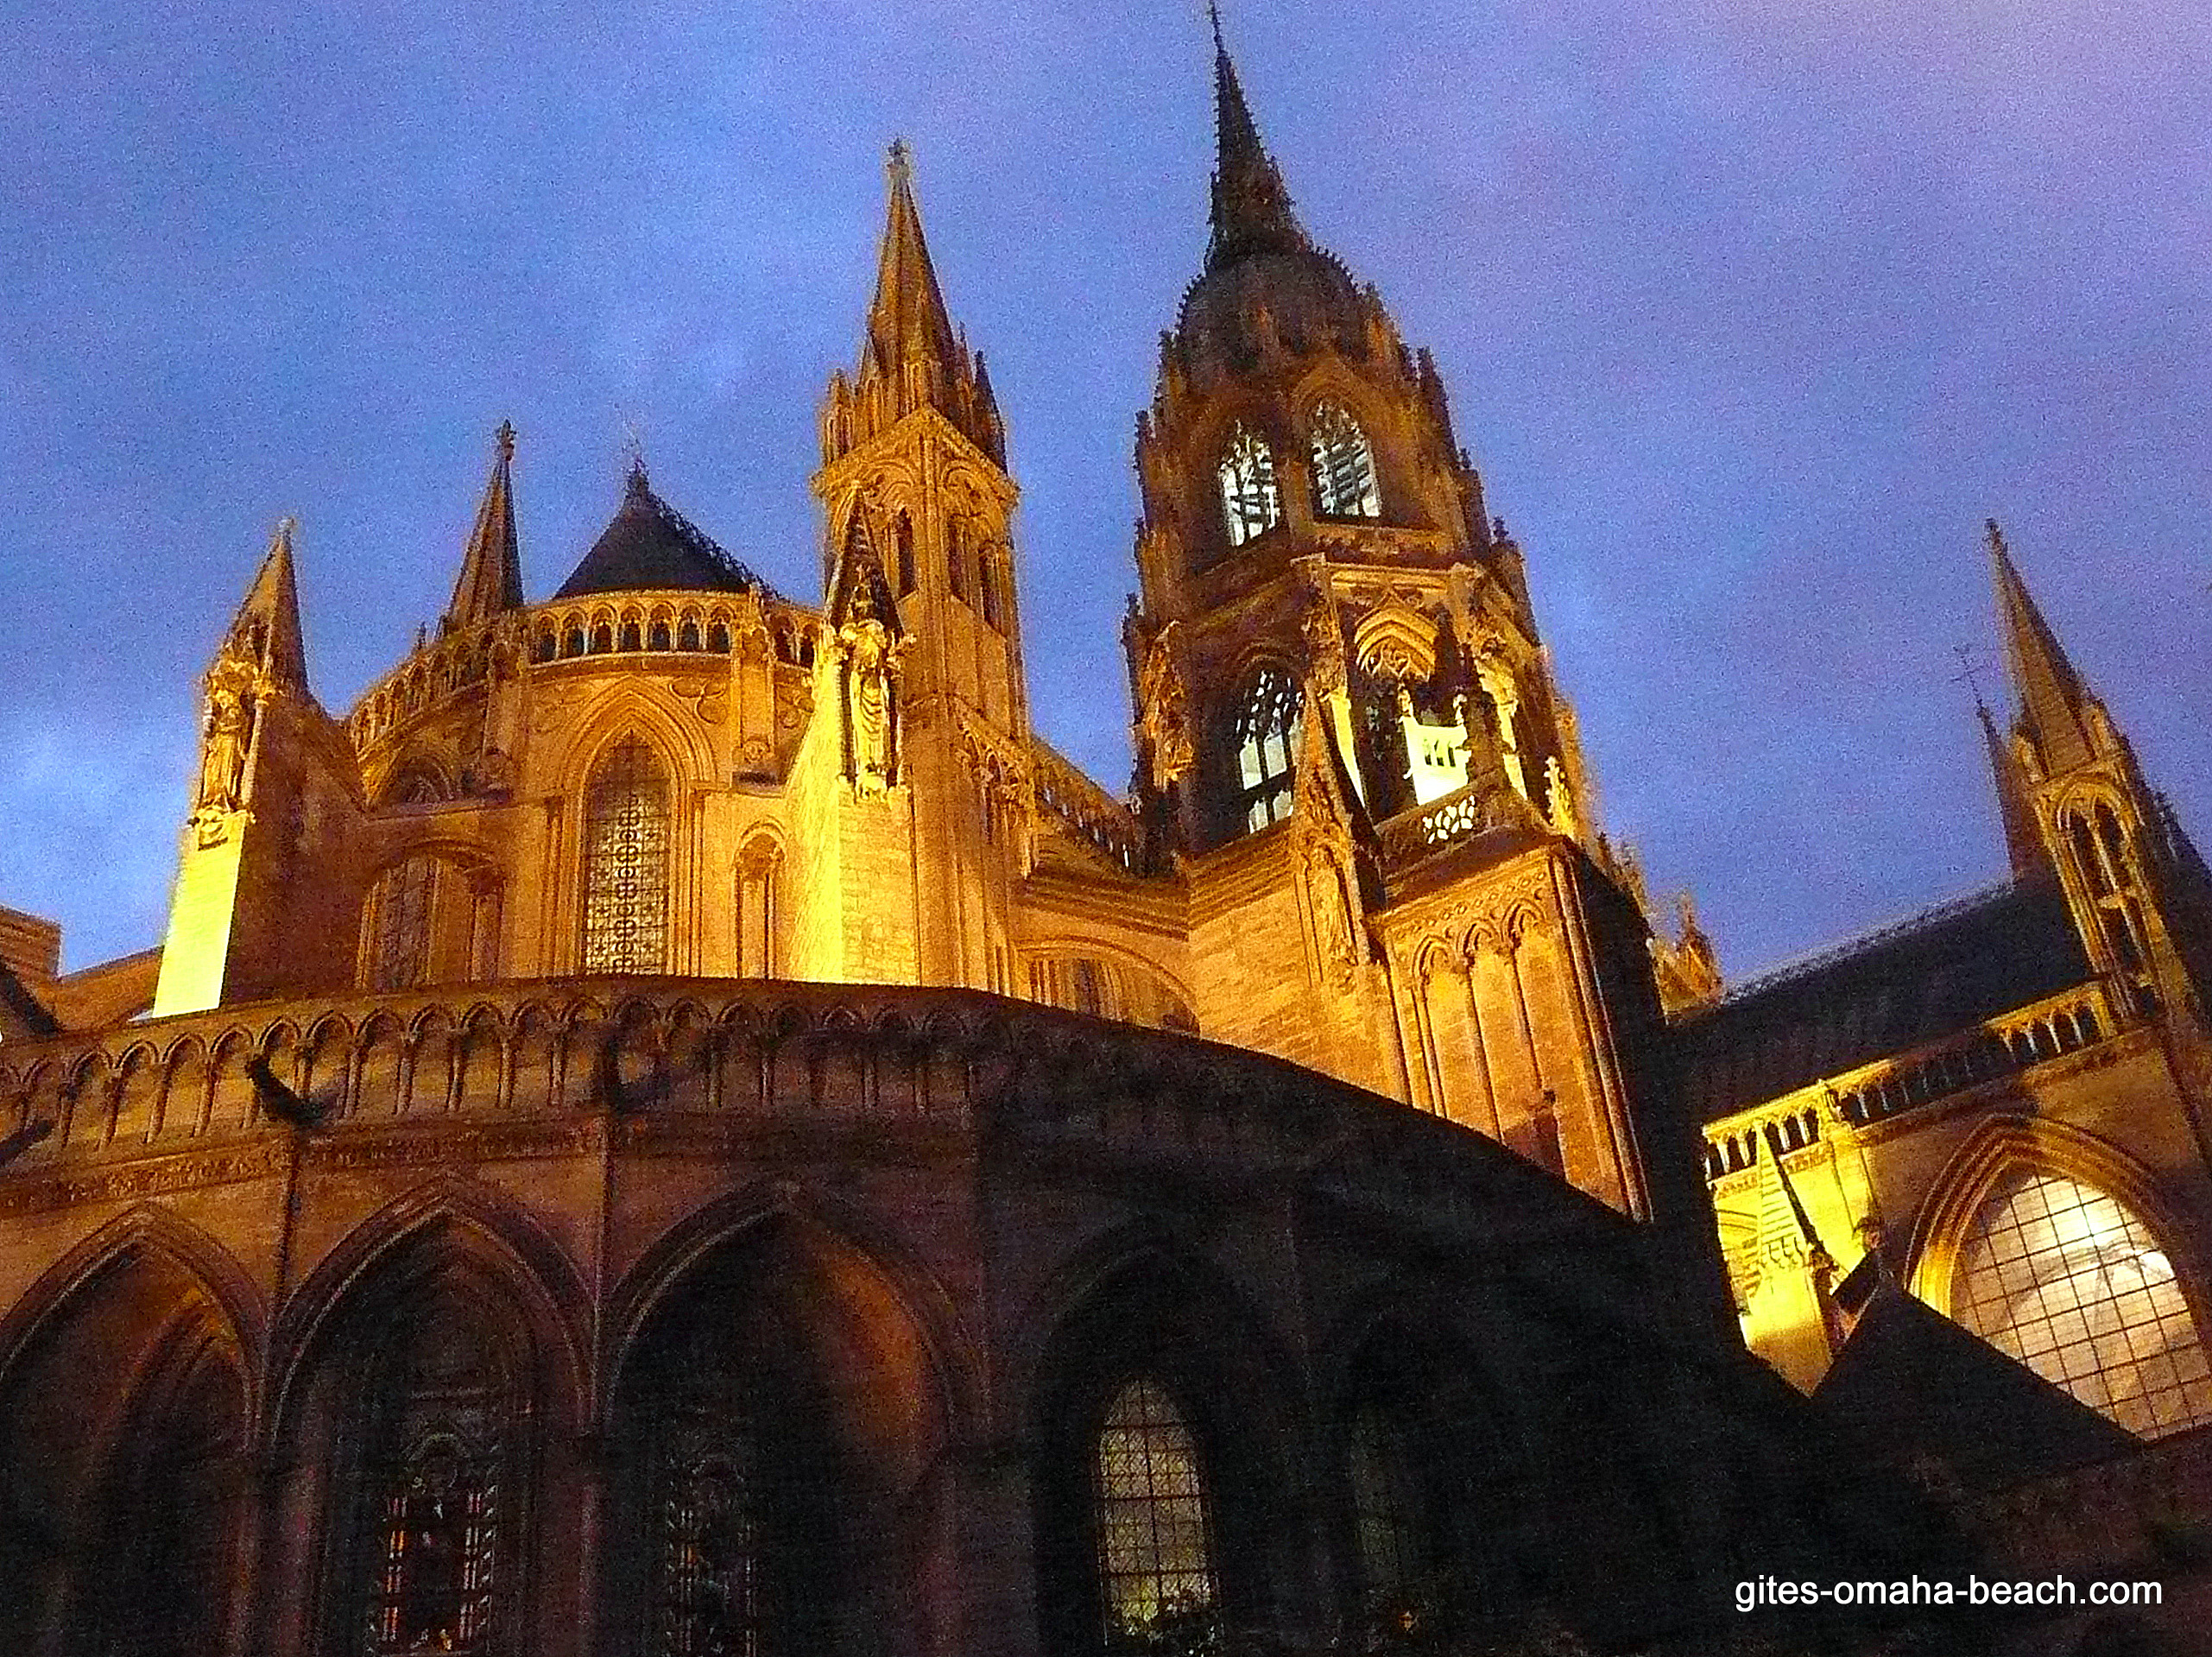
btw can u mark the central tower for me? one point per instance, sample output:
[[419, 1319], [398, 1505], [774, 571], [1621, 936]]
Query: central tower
[[1347, 734]]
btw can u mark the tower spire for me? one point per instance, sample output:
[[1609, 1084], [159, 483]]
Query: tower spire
[[1251, 209], [266, 629], [491, 569], [908, 319], [2054, 703], [2023, 839]]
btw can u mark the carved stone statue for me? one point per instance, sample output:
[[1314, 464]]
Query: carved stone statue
[[1498, 685], [227, 735], [871, 657], [1564, 818], [1324, 644], [1164, 714]]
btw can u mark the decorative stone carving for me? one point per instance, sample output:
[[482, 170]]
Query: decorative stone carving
[[1324, 644], [871, 658], [1164, 717], [1498, 685], [1561, 799]]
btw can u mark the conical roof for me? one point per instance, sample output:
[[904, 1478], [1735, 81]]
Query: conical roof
[[651, 546]]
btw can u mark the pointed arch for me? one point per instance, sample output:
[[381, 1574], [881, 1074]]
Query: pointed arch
[[761, 901], [126, 1405], [2060, 1251], [773, 1385], [625, 854], [1344, 484], [1263, 717], [1251, 500], [1147, 1346]]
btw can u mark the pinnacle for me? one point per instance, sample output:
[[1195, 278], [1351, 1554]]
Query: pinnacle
[[490, 581], [908, 317], [267, 626], [1251, 209]]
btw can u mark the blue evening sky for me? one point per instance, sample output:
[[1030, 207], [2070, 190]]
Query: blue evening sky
[[1751, 312]]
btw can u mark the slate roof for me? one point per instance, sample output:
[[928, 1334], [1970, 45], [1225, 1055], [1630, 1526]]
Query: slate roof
[[652, 547], [1910, 1384], [1913, 983]]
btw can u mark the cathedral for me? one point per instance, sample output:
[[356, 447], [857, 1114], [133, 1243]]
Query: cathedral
[[679, 1124]]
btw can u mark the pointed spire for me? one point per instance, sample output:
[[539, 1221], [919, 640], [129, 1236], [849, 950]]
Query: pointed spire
[[1251, 209], [2053, 702], [266, 629], [491, 569], [2023, 840], [907, 320]]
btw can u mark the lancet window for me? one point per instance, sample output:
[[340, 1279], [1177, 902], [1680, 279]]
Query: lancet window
[[708, 1590], [1343, 466], [399, 910], [438, 1503], [626, 862], [1250, 502], [2100, 849], [2066, 1279], [1394, 1553], [1267, 733], [1155, 1555]]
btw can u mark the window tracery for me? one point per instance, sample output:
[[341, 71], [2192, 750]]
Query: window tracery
[[626, 862], [2066, 1279], [401, 909], [1155, 1555], [438, 1505], [1343, 466], [1250, 502], [1266, 734]]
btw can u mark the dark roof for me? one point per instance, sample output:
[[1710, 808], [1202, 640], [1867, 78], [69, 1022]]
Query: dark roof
[[1929, 978], [1910, 1384], [652, 547]]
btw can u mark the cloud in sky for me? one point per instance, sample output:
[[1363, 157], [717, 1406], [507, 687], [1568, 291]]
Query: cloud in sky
[[1750, 312]]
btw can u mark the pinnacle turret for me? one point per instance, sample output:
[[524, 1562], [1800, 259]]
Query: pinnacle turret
[[490, 581], [265, 630]]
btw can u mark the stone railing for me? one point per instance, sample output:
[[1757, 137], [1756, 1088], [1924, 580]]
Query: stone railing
[[1089, 813], [601, 624], [1426, 830], [2045, 1030], [545, 1068]]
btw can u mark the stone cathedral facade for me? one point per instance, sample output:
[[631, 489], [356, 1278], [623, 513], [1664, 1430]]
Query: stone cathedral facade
[[680, 1124]]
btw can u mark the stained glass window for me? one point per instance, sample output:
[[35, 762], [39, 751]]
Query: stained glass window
[[626, 862], [1343, 466], [439, 1537], [708, 1591], [1266, 731], [1248, 497], [1155, 1556], [2065, 1278], [399, 911], [435, 1491], [1387, 1514]]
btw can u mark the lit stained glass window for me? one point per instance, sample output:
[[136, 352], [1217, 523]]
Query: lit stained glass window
[[399, 951], [626, 862], [1343, 466], [2064, 1278], [1153, 1554], [1266, 730], [1387, 1514], [1249, 499], [438, 1531]]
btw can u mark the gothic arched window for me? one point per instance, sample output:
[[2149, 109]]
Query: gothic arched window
[[2066, 1279], [1155, 1556], [1266, 733], [1250, 499], [708, 1589], [626, 861], [1387, 1517], [439, 1505], [400, 909], [759, 899], [1343, 466]]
